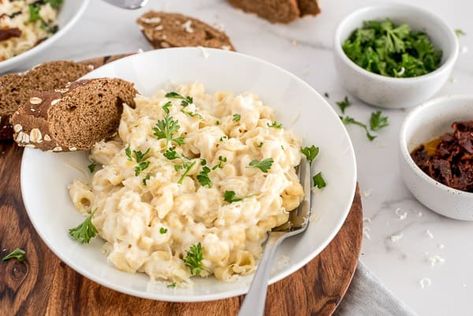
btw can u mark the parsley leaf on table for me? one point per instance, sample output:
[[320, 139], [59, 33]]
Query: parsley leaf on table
[[347, 120], [344, 104], [378, 121], [460, 33], [319, 181], [185, 101], [18, 254]]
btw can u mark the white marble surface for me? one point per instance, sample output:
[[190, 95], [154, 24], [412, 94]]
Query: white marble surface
[[304, 48]]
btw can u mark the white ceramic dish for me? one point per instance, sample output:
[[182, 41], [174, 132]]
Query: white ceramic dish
[[390, 92], [45, 176], [425, 123], [69, 14]]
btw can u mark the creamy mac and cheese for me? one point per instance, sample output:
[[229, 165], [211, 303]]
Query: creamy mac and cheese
[[191, 184]]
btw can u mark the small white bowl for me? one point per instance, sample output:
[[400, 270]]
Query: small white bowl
[[388, 92], [425, 123], [69, 14]]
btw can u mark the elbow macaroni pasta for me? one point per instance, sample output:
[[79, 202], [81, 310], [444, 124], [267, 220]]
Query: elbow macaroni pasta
[[150, 220]]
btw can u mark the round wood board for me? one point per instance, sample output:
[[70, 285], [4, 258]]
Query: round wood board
[[43, 285]]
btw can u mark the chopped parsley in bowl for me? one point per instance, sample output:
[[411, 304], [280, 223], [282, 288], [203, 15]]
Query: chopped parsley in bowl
[[388, 49]]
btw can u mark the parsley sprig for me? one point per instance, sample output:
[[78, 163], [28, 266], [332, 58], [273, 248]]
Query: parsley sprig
[[186, 166], [139, 158], [193, 259], [385, 48], [230, 197], [203, 177], [18, 254], [310, 152], [263, 165], [185, 101], [347, 120], [378, 121], [85, 231], [167, 129], [344, 104]]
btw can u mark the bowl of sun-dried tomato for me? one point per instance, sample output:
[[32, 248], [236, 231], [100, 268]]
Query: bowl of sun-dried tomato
[[437, 155]]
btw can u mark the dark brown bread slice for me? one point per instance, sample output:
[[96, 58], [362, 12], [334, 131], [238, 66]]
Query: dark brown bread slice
[[15, 89], [276, 11], [73, 118], [165, 30], [308, 7]]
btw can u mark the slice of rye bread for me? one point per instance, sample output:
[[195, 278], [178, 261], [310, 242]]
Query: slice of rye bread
[[308, 7], [73, 118], [165, 30], [276, 11], [15, 89]]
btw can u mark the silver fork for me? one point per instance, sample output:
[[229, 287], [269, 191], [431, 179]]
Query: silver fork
[[255, 299], [128, 4]]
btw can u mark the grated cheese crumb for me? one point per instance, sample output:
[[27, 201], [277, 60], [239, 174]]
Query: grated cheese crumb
[[425, 282], [429, 234], [396, 237], [436, 259], [402, 216]]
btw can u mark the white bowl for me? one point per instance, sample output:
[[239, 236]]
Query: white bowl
[[425, 123], [69, 14], [45, 176], [390, 92]]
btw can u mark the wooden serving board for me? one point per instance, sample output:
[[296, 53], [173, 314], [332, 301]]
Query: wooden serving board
[[45, 285]]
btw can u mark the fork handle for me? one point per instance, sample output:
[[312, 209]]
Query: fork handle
[[255, 299]]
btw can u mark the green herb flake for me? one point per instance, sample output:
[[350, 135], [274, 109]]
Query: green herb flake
[[187, 166], [145, 179], [92, 167], [18, 254], [139, 157], [275, 124], [185, 101], [344, 104], [236, 117], [56, 4], [221, 161], [319, 181], [166, 107], [203, 177], [33, 10], [166, 129], [347, 120], [387, 49], [260, 145], [460, 33], [263, 165], [310, 152], [128, 153], [163, 230], [230, 197], [85, 231], [171, 285], [378, 121], [171, 154], [193, 259]]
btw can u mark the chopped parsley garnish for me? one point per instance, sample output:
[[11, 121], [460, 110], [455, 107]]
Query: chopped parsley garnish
[[319, 181], [166, 107], [145, 179], [225, 137], [347, 120], [166, 129], [275, 124], [221, 161], [344, 104], [190, 114], [460, 33], [171, 285], [92, 167], [263, 165], [236, 117], [171, 154], [230, 197], [33, 10], [203, 162], [163, 230], [385, 48], [85, 231], [55, 3], [203, 177], [378, 121], [185, 101], [193, 259], [310, 152], [18, 254], [139, 157], [186, 166]]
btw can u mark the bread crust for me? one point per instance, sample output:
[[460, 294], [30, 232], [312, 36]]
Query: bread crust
[[164, 30], [275, 11], [32, 121]]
